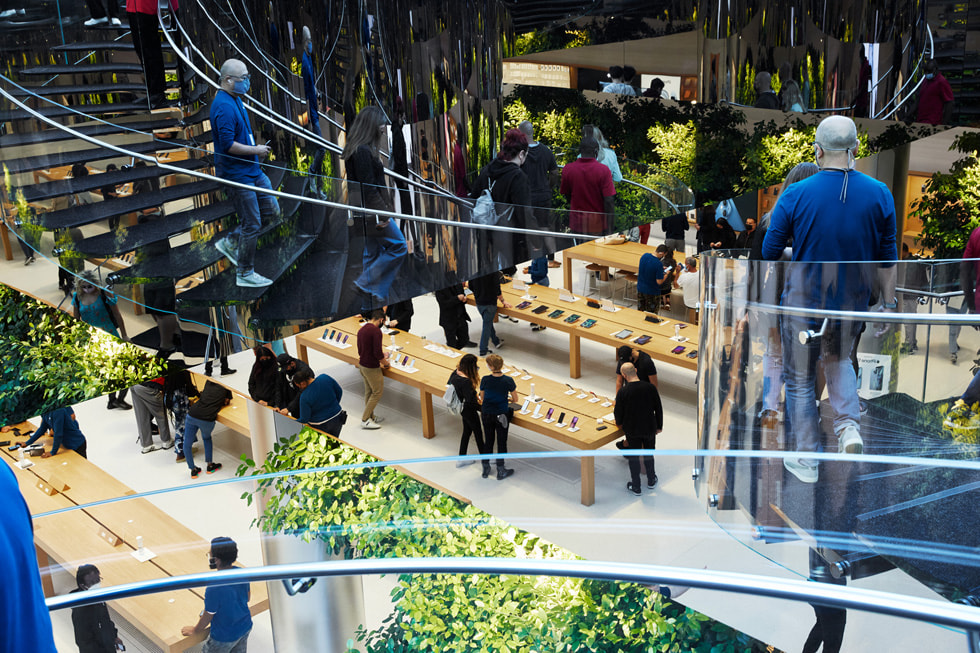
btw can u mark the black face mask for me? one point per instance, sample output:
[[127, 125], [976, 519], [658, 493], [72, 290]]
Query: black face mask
[[265, 362], [212, 563]]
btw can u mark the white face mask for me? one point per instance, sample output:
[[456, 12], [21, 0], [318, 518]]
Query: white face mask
[[96, 586]]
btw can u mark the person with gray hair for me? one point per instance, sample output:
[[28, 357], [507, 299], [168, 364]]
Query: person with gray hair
[[237, 158], [838, 214], [543, 175], [765, 98]]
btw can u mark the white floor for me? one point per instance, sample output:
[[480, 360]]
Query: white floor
[[668, 526]]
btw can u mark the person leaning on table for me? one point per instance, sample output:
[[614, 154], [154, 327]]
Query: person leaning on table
[[64, 428], [225, 606]]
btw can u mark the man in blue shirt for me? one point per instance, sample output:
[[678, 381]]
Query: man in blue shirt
[[24, 621], [225, 606], [319, 403], [237, 159], [841, 222], [649, 278], [64, 429]]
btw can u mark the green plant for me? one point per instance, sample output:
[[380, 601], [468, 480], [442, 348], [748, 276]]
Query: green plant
[[377, 511], [52, 360], [950, 205]]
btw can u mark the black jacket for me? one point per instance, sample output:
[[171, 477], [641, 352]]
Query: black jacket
[[94, 630], [510, 189], [451, 310], [486, 289], [265, 385], [638, 409]]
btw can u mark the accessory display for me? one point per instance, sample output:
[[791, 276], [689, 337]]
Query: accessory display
[[523, 305], [642, 340], [556, 313], [540, 309], [653, 318], [591, 303], [677, 350], [573, 318], [588, 324], [625, 333]]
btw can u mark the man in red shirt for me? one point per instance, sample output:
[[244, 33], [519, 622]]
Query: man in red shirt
[[372, 358], [970, 272], [935, 97], [589, 186]]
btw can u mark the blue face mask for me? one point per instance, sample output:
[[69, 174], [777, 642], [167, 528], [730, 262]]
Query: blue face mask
[[309, 47], [242, 86], [930, 75]]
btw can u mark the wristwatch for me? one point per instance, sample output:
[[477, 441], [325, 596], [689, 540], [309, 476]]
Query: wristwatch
[[890, 305]]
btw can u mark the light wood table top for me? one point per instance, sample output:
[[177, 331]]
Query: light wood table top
[[622, 257]]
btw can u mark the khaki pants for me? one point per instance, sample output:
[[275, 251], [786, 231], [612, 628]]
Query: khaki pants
[[692, 315], [374, 385]]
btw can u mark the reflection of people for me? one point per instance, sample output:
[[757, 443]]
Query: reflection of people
[[543, 176], [309, 81], [100, 309], [838, 214], [829, 628], [640, 413], [765, 98], [792, 97], [94, 630], [618, 85], [384, 244], [935, 100], [237, 159], [225, 606], [144, 26], [656, 89], [24, 621]]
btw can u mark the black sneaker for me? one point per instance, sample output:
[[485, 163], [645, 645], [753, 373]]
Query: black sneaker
[[621, 444], [195, 472], [213, 467], [632, 489], [652, 482], [503, 472]]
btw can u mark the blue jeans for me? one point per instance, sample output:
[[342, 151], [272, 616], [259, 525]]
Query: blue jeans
[[383, 256], [252, 208], [191, 426], [240, 645], [954, 329], [487, 313], [800, 374]]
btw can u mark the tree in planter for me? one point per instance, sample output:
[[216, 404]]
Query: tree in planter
[[363, 512], [950, 205], [53, 360]]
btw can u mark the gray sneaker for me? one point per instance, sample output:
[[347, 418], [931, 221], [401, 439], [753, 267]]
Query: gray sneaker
[[228, 249], [805, 470], [253, 280]]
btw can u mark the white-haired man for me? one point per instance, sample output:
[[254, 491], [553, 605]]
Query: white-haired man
[[237, 159], [836, 218]]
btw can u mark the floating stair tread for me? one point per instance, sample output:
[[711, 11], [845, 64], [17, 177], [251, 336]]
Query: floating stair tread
[[140, 235], [62, 111], [58, 159], [81, 69], [80, 89], [61, 187], [78, 216], [101, 129]]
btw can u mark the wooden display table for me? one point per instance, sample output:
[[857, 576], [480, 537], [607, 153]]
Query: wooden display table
[[433, 368], [622, 257], [607, 324], [73, 537]]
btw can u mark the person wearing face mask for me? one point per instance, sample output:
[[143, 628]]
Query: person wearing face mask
[[838, 214], [264, 385], [94, 630], [309, 81], [100, 309], [237, 159], [225, 606], [935, 100]]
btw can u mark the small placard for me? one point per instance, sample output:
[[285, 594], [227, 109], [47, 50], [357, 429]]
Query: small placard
[[607, 305], [505, 370], [610, 417], [59, 485], [338, 345], [566, 296], [549, 421], [408, 369], [561, 425], [606, 404], [45, 487], [109, 536], [526, 377], [143, 555], [517, 284], [679, 338], [569, 392], [394, 347], [594, 400], [573, 429], [581, 396]]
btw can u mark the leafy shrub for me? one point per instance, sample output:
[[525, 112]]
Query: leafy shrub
[[378, 512]]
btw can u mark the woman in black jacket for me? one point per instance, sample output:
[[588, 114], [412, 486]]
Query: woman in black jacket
[[465, 378], [264, 384], [384, 244], [512, 195]]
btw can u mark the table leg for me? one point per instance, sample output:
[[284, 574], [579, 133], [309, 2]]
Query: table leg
[[44, 565], [588, 479], [574, 356], [8, 254], [302, 353], [428, 422], [566, 268]]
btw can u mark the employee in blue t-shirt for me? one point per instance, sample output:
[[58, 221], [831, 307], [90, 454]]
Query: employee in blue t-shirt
[[237, 159], [64, 430], [225, 606], [649, 278]]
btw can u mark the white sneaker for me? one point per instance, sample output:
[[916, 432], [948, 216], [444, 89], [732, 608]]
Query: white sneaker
[[151, 448], [169, 444], [849, 440], [370, 425], [377, 418], [116, 22], [464, 463], [804, 470], [92, 22], [253, 280], [229, 249]]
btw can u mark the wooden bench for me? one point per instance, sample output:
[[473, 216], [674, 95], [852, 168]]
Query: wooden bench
[[72, 538], [432, 372], [607, 324]]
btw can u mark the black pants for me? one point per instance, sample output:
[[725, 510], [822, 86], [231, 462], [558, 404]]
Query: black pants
[[118, 396], [98, 8], [457, 334], [638, 442], [493, 430], [145, 30], [829, 629], [82, 450], [471, 425], [333, 425]]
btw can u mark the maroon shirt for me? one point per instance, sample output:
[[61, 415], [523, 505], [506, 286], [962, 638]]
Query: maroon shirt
[[369, 351], [933, 96], [973, 251], [586, 182]]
